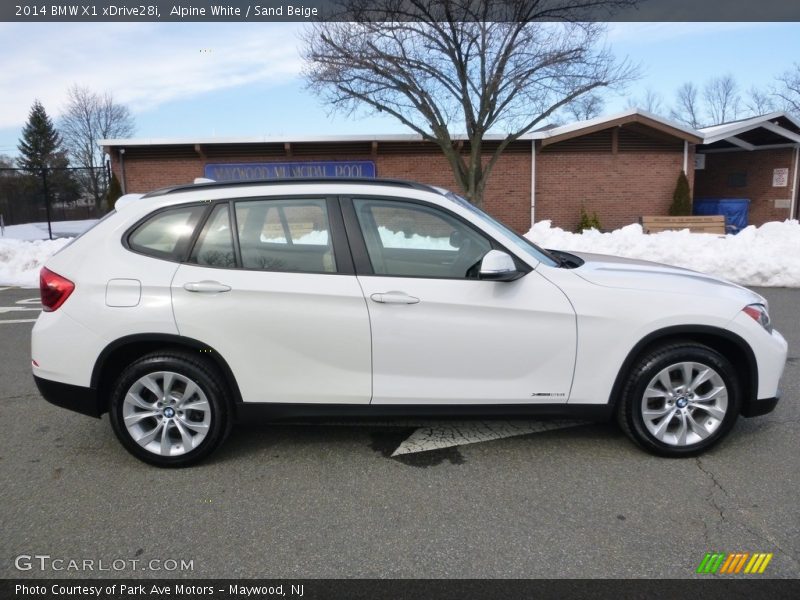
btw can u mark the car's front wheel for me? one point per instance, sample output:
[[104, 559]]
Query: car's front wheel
[[168, 409], [679, 399]]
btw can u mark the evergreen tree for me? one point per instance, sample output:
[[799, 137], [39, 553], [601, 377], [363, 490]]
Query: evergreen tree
[[40, 146], [682, 198]]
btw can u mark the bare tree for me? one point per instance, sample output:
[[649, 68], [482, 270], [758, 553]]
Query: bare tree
[[789, 89], [586, 107], [722, 99], [652, 102], [687, 109], [759, 102], [88, 117], [440, 65]]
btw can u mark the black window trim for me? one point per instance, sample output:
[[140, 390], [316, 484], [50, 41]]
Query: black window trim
[[358, 245]]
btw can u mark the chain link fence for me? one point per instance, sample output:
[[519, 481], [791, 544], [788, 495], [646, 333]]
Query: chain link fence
[[52, 195]]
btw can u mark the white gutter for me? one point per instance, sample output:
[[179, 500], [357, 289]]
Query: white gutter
[[793, 203], [533, 182], [685, 158]]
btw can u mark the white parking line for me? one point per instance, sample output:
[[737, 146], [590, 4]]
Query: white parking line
[[29, 301], [8, 309], [445, 435], [5, 321]]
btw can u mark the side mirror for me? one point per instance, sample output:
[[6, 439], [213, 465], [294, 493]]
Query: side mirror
[[499, 266]]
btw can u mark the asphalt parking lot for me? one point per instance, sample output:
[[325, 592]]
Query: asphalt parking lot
[[330, 500]]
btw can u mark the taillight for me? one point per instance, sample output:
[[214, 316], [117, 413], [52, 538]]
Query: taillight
[[54, 289]]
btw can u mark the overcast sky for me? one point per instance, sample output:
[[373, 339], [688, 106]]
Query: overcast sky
[[190, 79]]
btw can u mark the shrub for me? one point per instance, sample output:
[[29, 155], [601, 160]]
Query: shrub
[[587, 222]]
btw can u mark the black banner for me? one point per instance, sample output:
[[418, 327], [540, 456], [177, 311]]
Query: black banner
[[332, 10], [399, 589]]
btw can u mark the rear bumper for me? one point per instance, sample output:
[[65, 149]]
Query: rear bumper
[[756, 408], [73, 397]]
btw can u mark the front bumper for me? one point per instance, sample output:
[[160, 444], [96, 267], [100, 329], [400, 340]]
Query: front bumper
[[73, 397]]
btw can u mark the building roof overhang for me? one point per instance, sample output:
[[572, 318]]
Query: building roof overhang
[[771, 130]]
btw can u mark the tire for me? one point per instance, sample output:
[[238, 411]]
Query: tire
[[157, 428], [667, 416]]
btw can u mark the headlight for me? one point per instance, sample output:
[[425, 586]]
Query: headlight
[[759, 313]]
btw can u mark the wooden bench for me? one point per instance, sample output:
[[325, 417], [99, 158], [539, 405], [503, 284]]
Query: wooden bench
[[704, 224]]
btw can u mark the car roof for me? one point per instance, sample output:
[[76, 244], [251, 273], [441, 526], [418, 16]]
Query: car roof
[[191, 187]]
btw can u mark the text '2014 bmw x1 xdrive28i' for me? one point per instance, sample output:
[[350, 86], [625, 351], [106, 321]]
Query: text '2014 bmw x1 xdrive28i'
[[192, 307]]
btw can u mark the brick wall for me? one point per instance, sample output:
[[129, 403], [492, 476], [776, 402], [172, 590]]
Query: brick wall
[[619, 187], [723, 168], [507, 195]]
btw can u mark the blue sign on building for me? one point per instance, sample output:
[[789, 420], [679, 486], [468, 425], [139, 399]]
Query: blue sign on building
[[285, 170]]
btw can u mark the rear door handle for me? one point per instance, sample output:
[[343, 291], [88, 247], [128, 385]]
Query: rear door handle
[[394, 298], [207, 287]]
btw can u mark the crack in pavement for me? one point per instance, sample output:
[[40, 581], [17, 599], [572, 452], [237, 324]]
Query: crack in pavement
[[726, 515], [710, 498], [17, 397]]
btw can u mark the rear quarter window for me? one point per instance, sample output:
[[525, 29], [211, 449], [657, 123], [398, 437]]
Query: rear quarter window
[[166, 234]]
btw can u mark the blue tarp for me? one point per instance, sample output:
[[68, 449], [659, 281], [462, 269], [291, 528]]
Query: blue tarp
[[735, 210]]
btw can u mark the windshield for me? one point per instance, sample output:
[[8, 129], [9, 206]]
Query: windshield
[[521, 243]]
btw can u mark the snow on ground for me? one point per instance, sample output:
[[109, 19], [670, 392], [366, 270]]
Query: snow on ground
[[767, 256]]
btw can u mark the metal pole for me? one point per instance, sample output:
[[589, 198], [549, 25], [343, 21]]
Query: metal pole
[[533, 182], [47, 203], [122, 170], [793, 199]]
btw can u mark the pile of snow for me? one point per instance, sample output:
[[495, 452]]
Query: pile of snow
[[21, 260], [24, 248], [757, 256], [38, 231], [398, 239]]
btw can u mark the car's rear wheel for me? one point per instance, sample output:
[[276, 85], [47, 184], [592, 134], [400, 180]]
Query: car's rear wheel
[[679, 399], [168, 409]]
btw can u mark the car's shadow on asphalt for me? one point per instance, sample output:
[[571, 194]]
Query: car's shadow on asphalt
[[323, 440]]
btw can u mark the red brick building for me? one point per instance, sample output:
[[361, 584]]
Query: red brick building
[[621, 167], [754, 159]]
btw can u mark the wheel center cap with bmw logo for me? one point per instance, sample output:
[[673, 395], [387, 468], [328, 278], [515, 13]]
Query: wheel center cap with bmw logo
[[169, 412], [682, 402]]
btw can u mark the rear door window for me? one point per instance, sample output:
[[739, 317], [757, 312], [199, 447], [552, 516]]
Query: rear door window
[[285, 235], [214, 247]]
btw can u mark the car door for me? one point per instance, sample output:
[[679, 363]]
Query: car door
[[269, 284], [441, 335]]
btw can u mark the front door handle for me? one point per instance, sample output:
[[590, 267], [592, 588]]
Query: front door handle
[[394, 298], [208, 287]]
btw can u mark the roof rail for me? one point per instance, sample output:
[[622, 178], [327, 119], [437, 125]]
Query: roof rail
[[187, 187]]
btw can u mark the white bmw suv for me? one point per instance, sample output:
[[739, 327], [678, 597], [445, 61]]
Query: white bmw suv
[[193, 307]]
